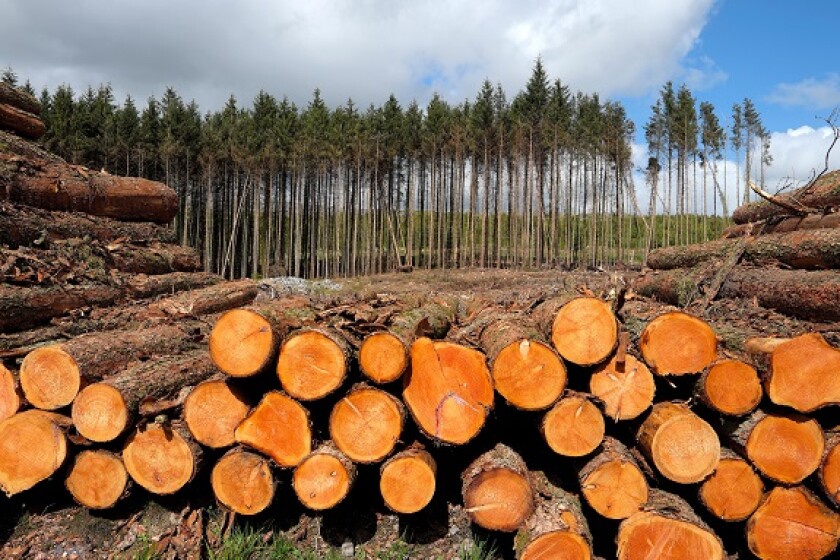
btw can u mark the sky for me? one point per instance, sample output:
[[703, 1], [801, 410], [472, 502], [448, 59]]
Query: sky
[[782, 55]]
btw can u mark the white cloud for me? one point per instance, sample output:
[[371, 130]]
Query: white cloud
[[361, 48], [703, 74], [812, 93]]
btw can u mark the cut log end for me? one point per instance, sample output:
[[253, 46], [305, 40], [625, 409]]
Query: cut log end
[[407, 481], [499, 499], [159, 459], [212, 412], [9, 397], [323, 479], [32, 448], [50, 378], [383, 357], [558, 545], [585, 331], [278, 427], [242, 343], [626, 391], [786, 449], [529, 375], [311, 365], [733, 491], [803, 374], [574, 427], [366, 424], [678, 344], [731, 387], [647, 535], [615, 489], [809, 528], [683, 446], [100, 413], [448, 390], [830, 473], [97, 479], [242, 482]]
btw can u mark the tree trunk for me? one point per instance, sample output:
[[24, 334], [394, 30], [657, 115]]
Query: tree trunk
[[21, 122], [807, 249], [366, 424], [669, 529], [25, 226], [323, 479], [734, 490], [161, 458], [279, 427], [497, 490], [729, 387], [242, 482], [612, 481], [793, 524], [97, 479], [213, 410], [19, 99], [823, 193], [783, 225], [574, 427], [32, 448], [407, 480], [448, 391], [678, 344], [683, 446]]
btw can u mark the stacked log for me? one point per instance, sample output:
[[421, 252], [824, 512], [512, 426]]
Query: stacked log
[[19, 113]]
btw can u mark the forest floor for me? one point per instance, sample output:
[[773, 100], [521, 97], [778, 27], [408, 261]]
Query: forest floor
[[45, 524]]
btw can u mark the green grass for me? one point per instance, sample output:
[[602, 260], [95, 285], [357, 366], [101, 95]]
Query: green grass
[[478, 549]]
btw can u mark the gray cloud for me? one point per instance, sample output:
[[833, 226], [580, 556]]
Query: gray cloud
[[364, 49]]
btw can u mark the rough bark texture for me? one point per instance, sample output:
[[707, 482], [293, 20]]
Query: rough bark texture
[[799, 293], [19, 98], [22, 225], [808, 249], [21, 122], [824, 193], [781, 225], [830, 469], [9, 397]]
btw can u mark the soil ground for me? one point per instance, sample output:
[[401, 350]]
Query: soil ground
[[44, 523]]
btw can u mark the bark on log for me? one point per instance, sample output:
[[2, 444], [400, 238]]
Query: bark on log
[[448, 390], [383, 356], [730, 387], [786, 448], [793, 524], [667, 529], [612, 482], [102, 411], [574, 427], [212, 411], [366, 424], [678, 344], [799, 293], [279, 428], [497, 490], [407, 480], [734, 490], [782, 225], [242, 482], [806, 249], [313, 363], [830, 469], [32, 448], [22, 226], [9, 396], [803, 374], [19, 98], [526, 371], [625, 387], [20, 122], [824, 193], [683, 447], [556, 529], [97, 479], [324, 478], [584, 330], [162, 458]]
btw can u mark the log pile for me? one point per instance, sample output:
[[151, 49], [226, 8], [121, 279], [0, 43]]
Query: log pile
[[782, 257], [19, 113]]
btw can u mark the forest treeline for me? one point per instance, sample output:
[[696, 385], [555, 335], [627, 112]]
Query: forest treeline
[[544, 178]]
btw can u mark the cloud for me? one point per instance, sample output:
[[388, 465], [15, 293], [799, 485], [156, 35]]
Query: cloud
[[363, 49], [811, 93], [703, 74]]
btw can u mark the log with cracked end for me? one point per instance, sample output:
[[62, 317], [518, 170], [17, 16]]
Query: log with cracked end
[[366, 424], [626, 389], [574, 426]]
